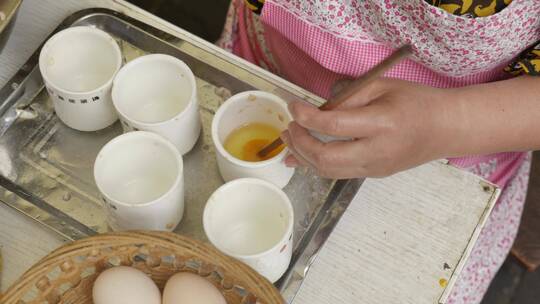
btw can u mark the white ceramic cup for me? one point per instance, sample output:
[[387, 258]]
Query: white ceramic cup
[[239, 110], [140, 177], [252, 220], [78, 66], [158, 93]]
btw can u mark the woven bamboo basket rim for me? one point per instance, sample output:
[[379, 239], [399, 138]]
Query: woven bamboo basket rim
[[250, 280]]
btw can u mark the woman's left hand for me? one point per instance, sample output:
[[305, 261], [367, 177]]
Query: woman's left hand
[[394, 125]]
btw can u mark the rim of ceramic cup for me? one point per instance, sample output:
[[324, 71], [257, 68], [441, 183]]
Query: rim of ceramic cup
[[234, 183], [153, 57], [219, 115], [72, 30], [170, 146]]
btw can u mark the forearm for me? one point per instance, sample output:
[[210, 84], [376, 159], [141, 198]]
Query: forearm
[[495, 117]]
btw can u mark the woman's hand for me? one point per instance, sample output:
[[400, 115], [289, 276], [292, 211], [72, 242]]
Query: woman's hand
[[394, 125]]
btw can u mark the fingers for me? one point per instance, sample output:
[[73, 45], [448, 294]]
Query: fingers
[[335, 159], [315, 152], [291, 161], [354, 123], [294, 159]]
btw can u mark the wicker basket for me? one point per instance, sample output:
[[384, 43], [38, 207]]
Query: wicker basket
[[67, 274]]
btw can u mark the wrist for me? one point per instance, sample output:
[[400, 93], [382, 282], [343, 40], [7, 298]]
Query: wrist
[[450, 123]]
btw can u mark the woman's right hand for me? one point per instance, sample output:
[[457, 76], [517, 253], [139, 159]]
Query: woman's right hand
[[394, 125]]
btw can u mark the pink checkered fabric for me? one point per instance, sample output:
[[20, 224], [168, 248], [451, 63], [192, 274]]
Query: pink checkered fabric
[[449, 51], [350, 35], [318, 75]]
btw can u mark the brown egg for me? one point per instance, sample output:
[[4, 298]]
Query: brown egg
[[188, 288]]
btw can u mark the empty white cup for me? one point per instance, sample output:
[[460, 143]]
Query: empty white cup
[[78, 66], [240, 110], [158, 93], [140, 176], [252, 220]]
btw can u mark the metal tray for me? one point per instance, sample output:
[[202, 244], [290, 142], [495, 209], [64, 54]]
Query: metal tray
[[46, 167]]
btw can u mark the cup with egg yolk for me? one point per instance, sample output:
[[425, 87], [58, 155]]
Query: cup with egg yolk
[[242, 126]]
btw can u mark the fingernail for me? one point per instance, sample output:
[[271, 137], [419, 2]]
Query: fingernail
[[285, 137], [291, 126], [291, 162], [290, 106]]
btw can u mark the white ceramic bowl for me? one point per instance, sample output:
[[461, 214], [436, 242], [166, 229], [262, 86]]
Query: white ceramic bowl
[[78, 66], [158, 93], [239, 110], [252, 220], [140, 177]]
